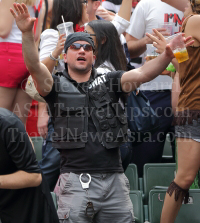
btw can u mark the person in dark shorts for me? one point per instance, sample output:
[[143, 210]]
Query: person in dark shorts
[[187, 116]]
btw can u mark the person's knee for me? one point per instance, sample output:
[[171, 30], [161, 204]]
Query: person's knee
[[185, 180]]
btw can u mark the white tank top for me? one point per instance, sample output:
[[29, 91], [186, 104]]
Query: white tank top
[[15, 35]]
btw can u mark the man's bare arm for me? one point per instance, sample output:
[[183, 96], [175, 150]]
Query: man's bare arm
[[125, 9], [134, 78], [39, 72], [136, 47], [43, 117], [179, 4], [20, 179]]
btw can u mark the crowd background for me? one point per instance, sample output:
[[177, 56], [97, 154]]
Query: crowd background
[[118, 47]]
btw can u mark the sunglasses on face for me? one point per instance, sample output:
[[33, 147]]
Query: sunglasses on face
[[77, 46]]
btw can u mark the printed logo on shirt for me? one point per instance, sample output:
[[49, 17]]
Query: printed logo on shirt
[[98, 81], [174, 18]]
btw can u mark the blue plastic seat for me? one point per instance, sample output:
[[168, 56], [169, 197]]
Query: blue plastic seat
[[157, 174], [132, 175], [37, 142], [136, 198]]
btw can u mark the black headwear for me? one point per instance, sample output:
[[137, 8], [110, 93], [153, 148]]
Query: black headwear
[[77, 37]]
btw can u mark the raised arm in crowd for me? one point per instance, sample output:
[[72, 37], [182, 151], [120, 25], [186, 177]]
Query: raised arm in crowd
[[42, 76]]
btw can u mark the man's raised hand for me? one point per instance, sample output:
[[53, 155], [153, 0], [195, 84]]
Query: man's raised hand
[[22, 17]]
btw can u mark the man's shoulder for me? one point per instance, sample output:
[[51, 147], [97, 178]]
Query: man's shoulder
[[105, 78], [148, 4], [9, 117], [5, 112], [145, 3], [58, 78], [10, 125], [111, 74]]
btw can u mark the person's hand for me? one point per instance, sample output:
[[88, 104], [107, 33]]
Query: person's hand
[[60, 46], [162, 31], [166, 72], [42, 124], [105, 14], [158, 41], [175, 41], [22, 17]]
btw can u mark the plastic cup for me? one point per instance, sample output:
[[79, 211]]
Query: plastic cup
[[65, 28], [150, 52], [178, 47], [168, 26]]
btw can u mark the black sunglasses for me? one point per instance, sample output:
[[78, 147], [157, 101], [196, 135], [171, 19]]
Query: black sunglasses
[[77, 46]]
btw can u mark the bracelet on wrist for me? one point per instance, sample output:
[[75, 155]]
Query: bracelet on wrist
[[53, 58]]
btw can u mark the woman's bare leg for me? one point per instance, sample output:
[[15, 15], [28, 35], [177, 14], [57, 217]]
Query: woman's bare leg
[[21, 105], [188, 166], [7, 97]]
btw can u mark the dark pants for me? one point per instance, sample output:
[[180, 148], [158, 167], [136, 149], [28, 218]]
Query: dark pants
[[151, 150], [50, 163], [126, 154]]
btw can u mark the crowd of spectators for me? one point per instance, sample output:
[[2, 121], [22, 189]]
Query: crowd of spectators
[[85, 78]]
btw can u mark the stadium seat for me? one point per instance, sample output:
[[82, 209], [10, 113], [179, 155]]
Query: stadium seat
[[188, 212], [136, 198], [157, 174], [167, 156], [54, 199], [37, 142], [132, 175]]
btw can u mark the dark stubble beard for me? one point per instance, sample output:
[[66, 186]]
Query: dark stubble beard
[[83, 70]]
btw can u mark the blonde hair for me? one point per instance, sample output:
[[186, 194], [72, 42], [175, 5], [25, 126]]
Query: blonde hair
[[26, 2]]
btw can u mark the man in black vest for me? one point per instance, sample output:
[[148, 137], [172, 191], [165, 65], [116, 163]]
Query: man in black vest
[[89, 125]]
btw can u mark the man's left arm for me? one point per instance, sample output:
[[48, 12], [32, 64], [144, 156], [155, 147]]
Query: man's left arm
[[20, 150], [132, 79], [20, 179]]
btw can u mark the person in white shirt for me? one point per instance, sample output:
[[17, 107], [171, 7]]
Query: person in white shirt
[[114, 5]]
